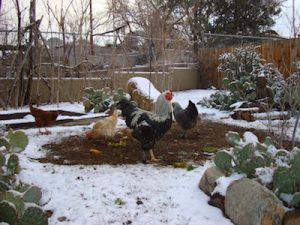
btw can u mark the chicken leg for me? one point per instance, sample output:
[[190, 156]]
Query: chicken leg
[[152, 157]]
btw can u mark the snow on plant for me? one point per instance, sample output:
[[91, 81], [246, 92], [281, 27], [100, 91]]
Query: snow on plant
[[19, 202], [279, 170], [102, 99], [275, 80], [241, 68]]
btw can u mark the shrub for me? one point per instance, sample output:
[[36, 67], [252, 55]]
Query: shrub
[[241, 68]]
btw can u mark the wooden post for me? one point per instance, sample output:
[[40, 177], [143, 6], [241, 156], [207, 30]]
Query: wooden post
[[91, 30]]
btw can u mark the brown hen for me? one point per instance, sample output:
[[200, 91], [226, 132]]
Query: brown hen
[[43, 118]]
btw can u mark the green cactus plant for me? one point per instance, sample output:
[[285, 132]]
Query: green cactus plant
[[5, 143], [296, 200], [34, 215], [33, 194], [8, 213], [15, 195], [233, 138], [223, 160], [13, 164], [17, 140], [283, 181], [14, 198], [2, 160], [295, 166], [246, 158], [100, 100]]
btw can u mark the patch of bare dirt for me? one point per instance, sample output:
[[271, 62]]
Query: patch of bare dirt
[[75, 150]]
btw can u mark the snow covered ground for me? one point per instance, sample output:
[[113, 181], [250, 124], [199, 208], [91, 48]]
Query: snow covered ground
[[126, 194]]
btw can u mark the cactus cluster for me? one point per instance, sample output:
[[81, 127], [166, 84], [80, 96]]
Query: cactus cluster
[[249, 157], [100, 100], [19, 202]]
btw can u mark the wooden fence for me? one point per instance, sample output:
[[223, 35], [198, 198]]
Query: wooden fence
[[283, 54]]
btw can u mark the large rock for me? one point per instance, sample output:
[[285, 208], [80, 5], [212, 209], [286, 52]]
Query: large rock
[[249, 203], [208, 181]]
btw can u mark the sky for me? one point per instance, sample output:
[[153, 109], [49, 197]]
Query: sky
[[282, 22]]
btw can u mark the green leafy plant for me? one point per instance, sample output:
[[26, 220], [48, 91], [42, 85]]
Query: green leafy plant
[[248, 156], [19, 202], [240, 69], [100, 100]]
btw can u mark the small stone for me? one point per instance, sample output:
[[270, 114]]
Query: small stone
[[62, 219]]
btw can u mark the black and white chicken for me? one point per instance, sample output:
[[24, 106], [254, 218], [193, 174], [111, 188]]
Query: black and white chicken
[[148, 127], [186, 118]]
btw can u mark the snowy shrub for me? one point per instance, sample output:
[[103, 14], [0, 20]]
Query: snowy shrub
[[240, 69], [275, 81], [279, 170]]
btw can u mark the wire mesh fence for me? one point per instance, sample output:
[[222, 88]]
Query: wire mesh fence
[[58, 56]]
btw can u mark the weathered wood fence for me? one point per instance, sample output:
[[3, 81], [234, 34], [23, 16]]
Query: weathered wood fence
[[283, 54]]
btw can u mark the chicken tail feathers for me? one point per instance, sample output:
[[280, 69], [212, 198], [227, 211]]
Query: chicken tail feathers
[[192, 109], [127, 108]]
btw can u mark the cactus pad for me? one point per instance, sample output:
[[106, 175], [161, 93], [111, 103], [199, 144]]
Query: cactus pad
[[2, 160], [18, 140], [5, 143], [13, 164], [3, 186], [8, 213], [33, 194], [15, 198], [233, 138], [223, 160], [296, 200], [283, 181], [34, 216]]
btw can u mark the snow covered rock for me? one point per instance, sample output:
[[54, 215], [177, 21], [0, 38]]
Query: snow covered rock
[[208, 181], [142, 92], [249, 203]]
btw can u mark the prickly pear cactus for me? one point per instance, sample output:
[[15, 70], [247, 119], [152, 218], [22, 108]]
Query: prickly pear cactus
[[8, 213], [2, 160], [14, 194], [248, 156], [5, 143], [17, 140], [119, 94], [33, 195], [13, 165], [296, 200], [15, 198], [283, 181], [295, 166], [223, 160], [233, 138], [101, 99], [34, 215]]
